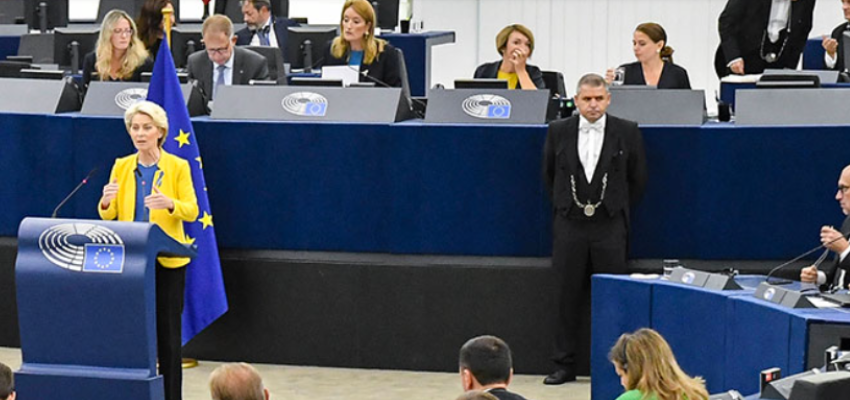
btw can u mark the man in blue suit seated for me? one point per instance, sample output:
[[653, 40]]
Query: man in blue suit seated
[[834, 274], [7, 383], [264, 29]]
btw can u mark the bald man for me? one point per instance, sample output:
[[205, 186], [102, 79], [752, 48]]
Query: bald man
[[835, 275], [237, 381]]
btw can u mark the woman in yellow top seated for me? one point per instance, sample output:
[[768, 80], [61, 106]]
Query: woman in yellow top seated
[[515, 43], [649, 371], [154, 186]]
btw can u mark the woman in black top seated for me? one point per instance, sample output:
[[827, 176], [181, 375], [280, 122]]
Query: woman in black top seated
[[654, 65], [150, 24], [358, 47], [120, 55], [515, 43]]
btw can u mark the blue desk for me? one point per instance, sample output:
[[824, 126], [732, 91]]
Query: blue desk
[[813, 54], [417, 55], [726, 337], [9, 46], [715, 192]]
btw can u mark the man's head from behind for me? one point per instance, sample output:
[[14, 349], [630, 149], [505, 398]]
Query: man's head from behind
[[7, 383], [485, 361], [237, 381]]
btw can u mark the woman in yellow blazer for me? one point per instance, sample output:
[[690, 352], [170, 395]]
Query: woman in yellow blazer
[[154, 186]]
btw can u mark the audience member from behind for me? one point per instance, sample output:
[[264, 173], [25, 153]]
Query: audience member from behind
[[654, 65], [120, 55], [649, 371], [836, 273], [486, 365], [263, 28], [151, 24], [221, 63], [357, 46], [237, 381], [515, 43], [477, 395], [833, 45], [7, 383]]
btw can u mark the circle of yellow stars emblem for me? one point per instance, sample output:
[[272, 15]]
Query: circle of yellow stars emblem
[[104, 252]]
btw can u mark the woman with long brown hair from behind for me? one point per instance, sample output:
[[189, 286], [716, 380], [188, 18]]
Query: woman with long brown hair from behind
[[648, 369]]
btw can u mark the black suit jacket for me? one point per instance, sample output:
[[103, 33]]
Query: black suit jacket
[[247, 65], [504, 394], [280, 26], [89, 69], [838, 35], [832, 269], [386, 67], [491, 71], [623, 157], [742, 26], [672, 76]]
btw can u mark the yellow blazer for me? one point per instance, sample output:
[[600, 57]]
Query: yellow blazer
[[173, 179]]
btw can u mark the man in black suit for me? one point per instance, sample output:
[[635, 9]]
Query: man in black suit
[[222, 63], [833, 45], [594, 166], [760, 34], [837, 274], [263, 28], [486, 364]]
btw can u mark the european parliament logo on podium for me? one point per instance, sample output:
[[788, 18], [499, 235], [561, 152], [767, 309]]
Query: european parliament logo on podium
[[487, 106], [305, 104], [83, 247], [104, 258]]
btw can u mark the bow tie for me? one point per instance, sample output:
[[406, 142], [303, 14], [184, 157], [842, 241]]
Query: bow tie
[[589, 128]]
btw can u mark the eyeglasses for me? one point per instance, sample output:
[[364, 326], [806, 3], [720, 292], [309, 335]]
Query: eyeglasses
[[219, 51], [843, 189], [123, 32]]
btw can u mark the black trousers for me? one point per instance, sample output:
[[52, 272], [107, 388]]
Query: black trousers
[[581, 247], [170, 283]]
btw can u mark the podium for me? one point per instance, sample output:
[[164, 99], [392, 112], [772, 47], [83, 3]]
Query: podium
[[86, 306]]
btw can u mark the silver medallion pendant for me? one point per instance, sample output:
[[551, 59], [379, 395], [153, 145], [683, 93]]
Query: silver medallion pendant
[[589, 210]]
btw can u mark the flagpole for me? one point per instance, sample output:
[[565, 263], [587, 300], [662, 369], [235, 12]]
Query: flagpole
[[166, 24]]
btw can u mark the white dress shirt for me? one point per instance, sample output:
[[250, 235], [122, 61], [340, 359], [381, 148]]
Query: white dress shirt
[[228, 71], [255, 40], [841, 278], [590, 139], [779, 12]]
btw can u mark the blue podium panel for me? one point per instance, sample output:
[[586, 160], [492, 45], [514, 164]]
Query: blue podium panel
[[619, 304], [693, 321], [87, 305]]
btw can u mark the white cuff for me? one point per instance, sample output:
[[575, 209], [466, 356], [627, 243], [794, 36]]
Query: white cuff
[[821, 278], [828, 61], [734, 61]]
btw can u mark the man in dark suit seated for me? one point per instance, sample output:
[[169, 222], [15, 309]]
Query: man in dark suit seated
[[263, 28], [222, 63], [486, 365], [838, 273], [833, 45], [759, 34], [594, 166]]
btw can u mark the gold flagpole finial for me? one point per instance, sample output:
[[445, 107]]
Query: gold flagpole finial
[[166, 23]]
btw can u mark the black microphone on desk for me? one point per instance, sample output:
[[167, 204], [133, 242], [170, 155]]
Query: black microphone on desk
[[76, 189], [416, 112], [795, 259]]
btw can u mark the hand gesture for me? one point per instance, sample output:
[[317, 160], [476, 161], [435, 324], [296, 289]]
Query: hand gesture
[[833, 239], [158, 201], [809, 274], [737, 67], [110, 191], [518, 58], [830, 45]]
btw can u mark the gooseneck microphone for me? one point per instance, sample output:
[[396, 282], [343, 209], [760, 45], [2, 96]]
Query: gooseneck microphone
[[795, 259], [76, 189]]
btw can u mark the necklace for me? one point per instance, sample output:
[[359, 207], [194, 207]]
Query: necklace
[[589, 208]]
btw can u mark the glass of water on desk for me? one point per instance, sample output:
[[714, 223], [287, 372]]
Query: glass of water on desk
[[667, 267], [619, 76]]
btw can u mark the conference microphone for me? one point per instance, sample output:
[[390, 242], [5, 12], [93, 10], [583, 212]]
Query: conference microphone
[[365, 74], [795, 259], [76, 189]]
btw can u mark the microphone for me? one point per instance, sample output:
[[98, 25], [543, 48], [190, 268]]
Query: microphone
[[419, 114], [68, 197], [795, 259]]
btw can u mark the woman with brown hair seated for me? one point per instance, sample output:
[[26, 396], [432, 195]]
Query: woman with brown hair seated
[[654, 65], [515, 43]]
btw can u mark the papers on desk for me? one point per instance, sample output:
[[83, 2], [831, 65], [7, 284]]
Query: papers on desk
[[348, 74], [822, 303], [741, 78]]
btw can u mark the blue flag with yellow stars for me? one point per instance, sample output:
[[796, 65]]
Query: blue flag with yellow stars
[[205, 299]]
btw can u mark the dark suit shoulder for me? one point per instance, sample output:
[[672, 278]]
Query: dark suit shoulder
[[487, 70], [619, 123], [243, 37], [249, 55]]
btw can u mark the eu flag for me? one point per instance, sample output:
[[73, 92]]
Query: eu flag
[[104, 258], [205, 297]]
